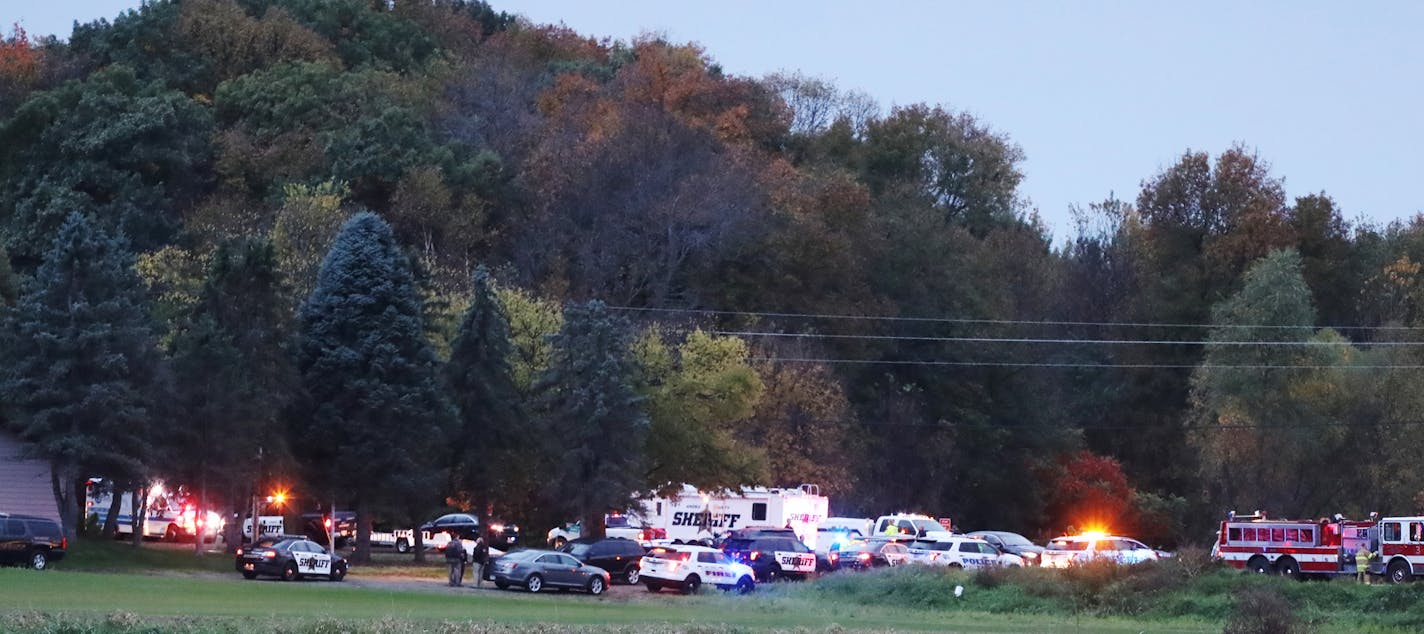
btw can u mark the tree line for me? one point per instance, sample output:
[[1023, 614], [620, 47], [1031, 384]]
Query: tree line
[[424, 252]]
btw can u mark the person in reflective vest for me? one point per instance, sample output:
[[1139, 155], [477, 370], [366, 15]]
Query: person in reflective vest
[[1362, 563]]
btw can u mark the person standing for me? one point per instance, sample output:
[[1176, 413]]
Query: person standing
[[455, 557], [1362, 564], [480, 560]]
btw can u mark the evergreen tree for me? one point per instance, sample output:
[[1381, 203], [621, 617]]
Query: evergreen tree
[[237, 378], [371, 377], [495, 464], [594, 415], [81, 364]]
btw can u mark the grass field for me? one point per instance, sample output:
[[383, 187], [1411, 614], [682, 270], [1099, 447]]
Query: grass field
[[111, 587], [61, 600]]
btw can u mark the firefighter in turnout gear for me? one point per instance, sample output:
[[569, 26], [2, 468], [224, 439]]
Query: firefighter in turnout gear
[[1362, 563]]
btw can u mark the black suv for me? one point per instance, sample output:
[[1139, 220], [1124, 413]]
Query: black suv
[[772, 553], [30, 541], [466, 526], [617, 555]]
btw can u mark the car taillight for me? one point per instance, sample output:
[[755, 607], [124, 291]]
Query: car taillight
[[755, 554], [271, 554], [865, 556], [239, 552], [63, 543], [326, 522], [642, 537], [833, 557]]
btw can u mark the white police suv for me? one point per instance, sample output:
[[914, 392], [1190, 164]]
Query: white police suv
[[960, 552], [688, 568]]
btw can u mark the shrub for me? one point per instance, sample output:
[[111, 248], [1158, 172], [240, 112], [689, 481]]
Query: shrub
[[1263, 611]]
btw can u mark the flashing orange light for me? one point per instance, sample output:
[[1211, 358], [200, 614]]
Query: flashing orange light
[[279, 498], [1094, 534]]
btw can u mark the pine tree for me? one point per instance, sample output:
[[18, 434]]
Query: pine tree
[[82, 364], [495, 464], [594, 415], [237, 378], [371, 377]]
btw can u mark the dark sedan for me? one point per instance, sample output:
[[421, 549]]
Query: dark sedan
[[1012, 543], [289, 558], [466, 526], [539, 569], [872, 553]]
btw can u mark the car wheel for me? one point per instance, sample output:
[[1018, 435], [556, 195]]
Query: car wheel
[[957, 566], [39, 560], [338, 574], [534, 583], [1399, 572], [654, 586], [631, 575], [745, 585], [692, 584], [502, 585], [1260, 566], [402, 546], [595, 586], [1288, 568], [289, 573], [248, 574]]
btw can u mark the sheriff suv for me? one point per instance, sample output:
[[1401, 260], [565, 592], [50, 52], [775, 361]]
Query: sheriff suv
[[771, 553], [687, 568], [30, 541]]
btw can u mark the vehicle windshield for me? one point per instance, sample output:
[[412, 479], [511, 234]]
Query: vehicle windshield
[[577, 549], [520, 554], [924, 526], [1068, 544], [267, 542], [283, 544], [616, 521]]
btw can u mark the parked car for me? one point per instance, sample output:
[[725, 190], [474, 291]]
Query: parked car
[[1076, 549], [688, 567], [538, 569], [1013, 543], [289, 557], [771, 553], [961, 552], [30, 541], [863, 554], [467, 526], [617, 555]]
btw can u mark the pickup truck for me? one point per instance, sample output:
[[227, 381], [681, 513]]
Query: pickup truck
[[623, 526]]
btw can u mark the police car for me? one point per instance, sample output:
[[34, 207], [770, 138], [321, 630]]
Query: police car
[[960, 552], [289, 558], [688, 567]]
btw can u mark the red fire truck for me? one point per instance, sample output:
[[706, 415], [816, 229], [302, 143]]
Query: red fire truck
[[1293, 548]]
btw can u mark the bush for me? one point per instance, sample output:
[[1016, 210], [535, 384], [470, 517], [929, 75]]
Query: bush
[[1263, 611]]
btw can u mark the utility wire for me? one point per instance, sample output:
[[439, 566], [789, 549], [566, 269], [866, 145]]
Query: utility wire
[[1015, 364], [1090, 428], [1145, 342], [1007, 322]]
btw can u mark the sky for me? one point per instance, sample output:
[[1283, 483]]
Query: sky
[[1101, 95]]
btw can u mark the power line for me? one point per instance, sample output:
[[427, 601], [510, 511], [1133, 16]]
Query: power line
[[1029, 340], [1090, 428], [1002, 322], [1158, 366]]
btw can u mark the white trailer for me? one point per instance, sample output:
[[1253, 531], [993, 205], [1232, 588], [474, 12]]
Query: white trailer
[[693, 516]]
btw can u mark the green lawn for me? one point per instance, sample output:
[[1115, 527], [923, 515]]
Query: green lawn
[[188, 601]]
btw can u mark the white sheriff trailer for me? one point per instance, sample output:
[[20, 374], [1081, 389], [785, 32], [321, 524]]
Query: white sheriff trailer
[[691, 516]]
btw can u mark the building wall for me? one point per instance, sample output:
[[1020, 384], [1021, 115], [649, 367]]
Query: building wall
[[24, 484]]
